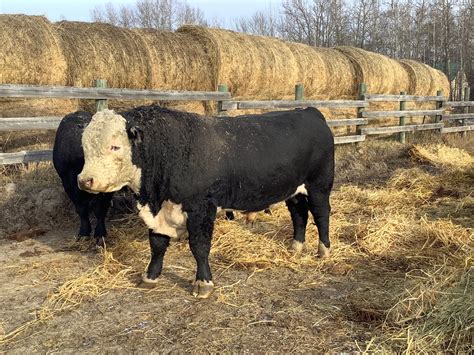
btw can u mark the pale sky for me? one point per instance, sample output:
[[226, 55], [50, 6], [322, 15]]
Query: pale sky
[[79, 10]]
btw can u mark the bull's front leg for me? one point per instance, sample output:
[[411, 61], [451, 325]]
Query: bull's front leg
[[158, 244], [200, 224]]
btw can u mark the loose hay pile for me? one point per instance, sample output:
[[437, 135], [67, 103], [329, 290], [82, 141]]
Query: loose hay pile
[[407, 244]]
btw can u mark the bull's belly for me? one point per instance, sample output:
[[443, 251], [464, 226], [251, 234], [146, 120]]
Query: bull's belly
[[171, 219], [248, 202]]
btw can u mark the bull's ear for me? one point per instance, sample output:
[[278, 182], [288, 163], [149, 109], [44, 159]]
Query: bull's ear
[[135, 134]]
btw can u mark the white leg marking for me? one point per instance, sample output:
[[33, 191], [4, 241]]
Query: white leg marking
[[323, 252], [297, 246]]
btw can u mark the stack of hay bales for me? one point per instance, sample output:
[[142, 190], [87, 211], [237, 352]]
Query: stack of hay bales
[[257, 67], [34, 51], [135, 59], [31, 54]]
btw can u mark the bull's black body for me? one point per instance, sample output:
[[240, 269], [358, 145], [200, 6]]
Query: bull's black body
[[245, 163], [68, 160]]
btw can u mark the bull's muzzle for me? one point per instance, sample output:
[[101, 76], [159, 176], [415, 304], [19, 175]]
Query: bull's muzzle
[[84, 183]]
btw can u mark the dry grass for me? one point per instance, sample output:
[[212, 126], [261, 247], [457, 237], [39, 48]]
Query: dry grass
[[416, 266]]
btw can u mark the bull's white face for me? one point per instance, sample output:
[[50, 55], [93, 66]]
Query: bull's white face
[[107, 155]]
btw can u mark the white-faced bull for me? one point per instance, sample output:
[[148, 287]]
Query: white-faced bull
[[183, 167]]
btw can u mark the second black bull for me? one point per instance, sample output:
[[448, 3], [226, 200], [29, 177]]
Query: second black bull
[[184, 167]]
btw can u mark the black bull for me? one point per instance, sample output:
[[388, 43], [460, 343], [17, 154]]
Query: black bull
[[244, 163]]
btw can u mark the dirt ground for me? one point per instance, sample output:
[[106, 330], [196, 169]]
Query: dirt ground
[[334, 305]]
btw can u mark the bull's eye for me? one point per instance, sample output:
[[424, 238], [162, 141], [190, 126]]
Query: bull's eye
[[114, 148]]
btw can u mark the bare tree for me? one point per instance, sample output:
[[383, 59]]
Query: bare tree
[[265, 23], [159, 14]]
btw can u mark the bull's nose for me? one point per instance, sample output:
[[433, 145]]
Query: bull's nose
[[84, 183]]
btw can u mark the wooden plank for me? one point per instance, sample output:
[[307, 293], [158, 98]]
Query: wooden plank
[[99, 93], [346, 122], [381, 114], [25, 157], [349, 139], [29, 123], [458, 103], [457, 129], [243, 105], [458, 116], [229, 105], [394, 98], [396, 129]]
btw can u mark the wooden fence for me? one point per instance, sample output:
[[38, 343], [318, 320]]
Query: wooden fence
[[361, 121]]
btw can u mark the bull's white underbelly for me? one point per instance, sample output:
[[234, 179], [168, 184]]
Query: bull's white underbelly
[[170, 220]]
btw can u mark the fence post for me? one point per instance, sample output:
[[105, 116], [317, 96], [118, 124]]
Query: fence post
[[402, 135], [439, 105], [360, 96], [221, 88], [467, 94], [299, 92], [100, 104]]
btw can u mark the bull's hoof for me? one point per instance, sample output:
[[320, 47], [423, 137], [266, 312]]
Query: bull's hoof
[[80, 236], [323, 251], [203, 289], [100, 242], [297, 246], [147, 283]]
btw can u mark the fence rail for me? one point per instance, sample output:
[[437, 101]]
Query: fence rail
[[29, 123], [101, 94], [106, 93], [395, 98], [270, 104], [378, 114]]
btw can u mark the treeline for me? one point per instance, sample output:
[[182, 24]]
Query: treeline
[[439, 33]]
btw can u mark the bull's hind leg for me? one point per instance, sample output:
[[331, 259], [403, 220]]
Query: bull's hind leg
[[158, 244], [200, 224], [102, 204], [298, 207], [318, 200]]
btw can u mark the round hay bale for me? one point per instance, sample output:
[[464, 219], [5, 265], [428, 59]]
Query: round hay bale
[[419, 76], [30, 51], [341, 80], [309, 69], [381, 74], [102, 51], [30, 54], [176, 61], [439, 81]]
